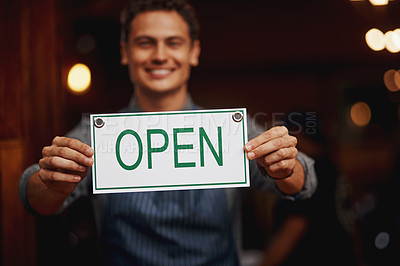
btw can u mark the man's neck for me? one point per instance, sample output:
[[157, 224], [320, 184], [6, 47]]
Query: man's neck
[[156, 102]]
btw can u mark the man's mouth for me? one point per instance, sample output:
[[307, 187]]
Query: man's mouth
[[159, 72]]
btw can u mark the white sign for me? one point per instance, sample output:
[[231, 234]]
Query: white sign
[[169, 150]]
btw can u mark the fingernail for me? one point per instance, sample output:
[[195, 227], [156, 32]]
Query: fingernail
[[248, 147], [77, 178], [251, 155], [81, 168], [88, 160], [89, 151]]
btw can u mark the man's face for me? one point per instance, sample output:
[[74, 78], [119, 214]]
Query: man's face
[[159, 52]]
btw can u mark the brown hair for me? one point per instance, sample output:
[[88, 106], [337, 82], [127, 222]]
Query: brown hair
[[136, 7]]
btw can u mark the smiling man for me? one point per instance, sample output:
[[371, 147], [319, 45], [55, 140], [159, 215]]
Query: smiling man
[[159, 44], [159, 53]]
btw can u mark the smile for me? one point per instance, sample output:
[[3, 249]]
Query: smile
[[159, 72]]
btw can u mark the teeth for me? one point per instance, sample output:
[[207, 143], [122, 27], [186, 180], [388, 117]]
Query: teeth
[[160, 71]]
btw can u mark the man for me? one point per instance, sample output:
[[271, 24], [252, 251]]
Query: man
[[159, 44]]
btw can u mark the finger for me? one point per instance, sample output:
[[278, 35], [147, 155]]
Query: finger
[[273, 133], [280, 155], [281, 168], [63, 164], [73, 144], [272, 146], [74, 173], [67, 153], [48, 177]]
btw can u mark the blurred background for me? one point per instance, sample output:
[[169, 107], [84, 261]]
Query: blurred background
[[328, 70]]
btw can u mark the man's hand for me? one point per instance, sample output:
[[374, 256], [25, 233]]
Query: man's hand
[[64, 164], [275, 150]]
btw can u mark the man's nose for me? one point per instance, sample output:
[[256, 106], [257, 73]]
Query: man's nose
[[160, 54]]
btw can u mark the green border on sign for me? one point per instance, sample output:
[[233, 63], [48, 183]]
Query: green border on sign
[[168, 113]]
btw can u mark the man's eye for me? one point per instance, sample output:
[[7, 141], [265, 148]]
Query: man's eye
[[145, 43], [175, 44]]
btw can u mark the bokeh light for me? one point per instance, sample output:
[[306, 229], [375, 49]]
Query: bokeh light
[[379, 2], [397, 79], [391, 42], [79, 78], [375, 39], [382, 240], [396, 37], [360, 114], [391, 78]]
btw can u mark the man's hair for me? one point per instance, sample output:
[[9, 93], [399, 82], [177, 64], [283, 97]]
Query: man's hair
[[136, 7]]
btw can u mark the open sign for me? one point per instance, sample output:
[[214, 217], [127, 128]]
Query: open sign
[[169, 150]]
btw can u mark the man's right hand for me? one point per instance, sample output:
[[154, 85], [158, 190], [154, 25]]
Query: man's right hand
[[64, 164]]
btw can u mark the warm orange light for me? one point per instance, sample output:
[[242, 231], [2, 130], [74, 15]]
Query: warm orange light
[[375, 39], [79, 78], [396, 38], [397, 79], [391, 80], [379, 2], [360, 114], [392, 42]]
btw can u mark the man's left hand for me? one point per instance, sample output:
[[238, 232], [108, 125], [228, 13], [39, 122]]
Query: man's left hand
[[275, 150]]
